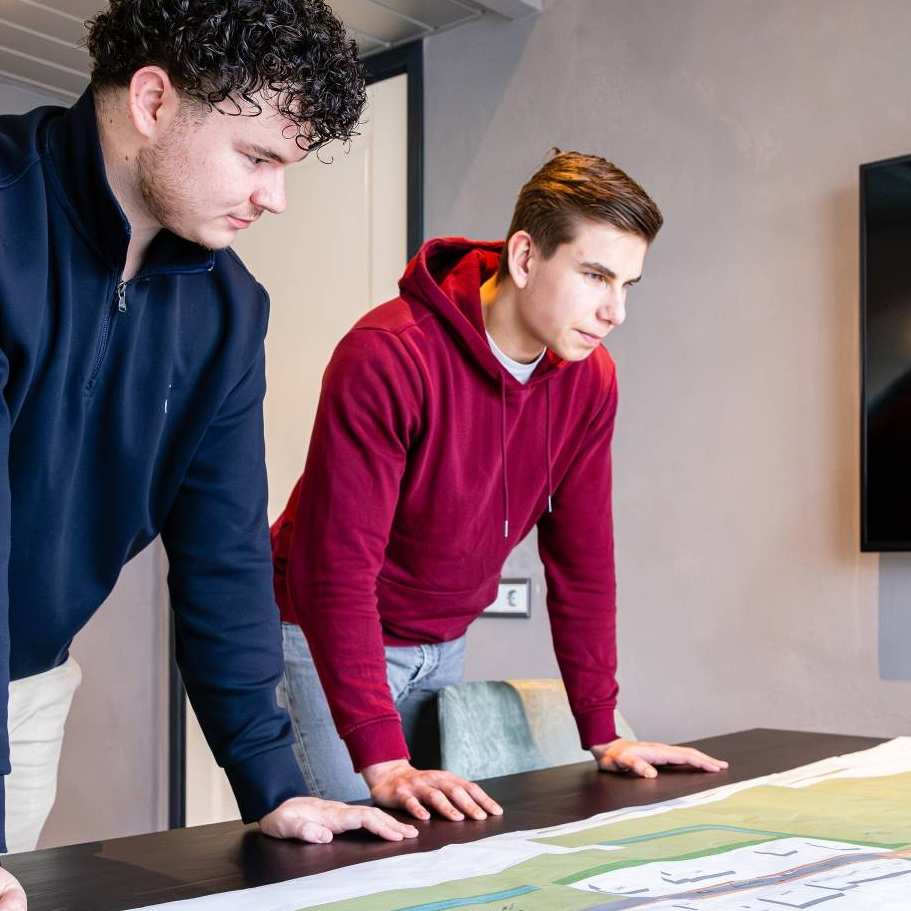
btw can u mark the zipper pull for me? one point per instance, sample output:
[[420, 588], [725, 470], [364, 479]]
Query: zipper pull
[[122, 297]]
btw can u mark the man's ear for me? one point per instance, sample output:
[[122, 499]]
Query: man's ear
[[520, 251], [152, 102]]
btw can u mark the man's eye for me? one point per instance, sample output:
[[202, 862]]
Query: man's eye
[[254, 160], [597, 276]]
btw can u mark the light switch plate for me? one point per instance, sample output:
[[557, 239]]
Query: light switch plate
[[513, 599]]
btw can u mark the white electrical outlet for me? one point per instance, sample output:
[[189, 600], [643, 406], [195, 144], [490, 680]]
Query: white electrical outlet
[[513, 599]]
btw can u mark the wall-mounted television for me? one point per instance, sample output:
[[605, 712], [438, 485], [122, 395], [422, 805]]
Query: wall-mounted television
[[885, 339]]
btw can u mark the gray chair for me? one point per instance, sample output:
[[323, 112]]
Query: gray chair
[[500, 727]]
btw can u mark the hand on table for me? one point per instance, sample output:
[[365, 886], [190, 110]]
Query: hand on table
[[12, 895], [315, 820], [641, 757], [399, 784]]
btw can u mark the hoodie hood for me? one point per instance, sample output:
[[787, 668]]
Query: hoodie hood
[[446, 276]]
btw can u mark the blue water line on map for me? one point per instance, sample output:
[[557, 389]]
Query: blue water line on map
[[471, 900]]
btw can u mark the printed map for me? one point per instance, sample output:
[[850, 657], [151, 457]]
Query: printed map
[[832, 836]]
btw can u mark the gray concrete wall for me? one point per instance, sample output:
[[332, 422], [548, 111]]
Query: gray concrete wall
[[744, 599], [113, 769]]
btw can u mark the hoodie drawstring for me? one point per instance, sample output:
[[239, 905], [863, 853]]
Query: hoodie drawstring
[[503, 449], [547, 456]]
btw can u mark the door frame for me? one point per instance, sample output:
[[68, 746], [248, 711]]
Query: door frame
[[406, 59]]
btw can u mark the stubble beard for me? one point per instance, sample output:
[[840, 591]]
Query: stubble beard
[[165, 189]]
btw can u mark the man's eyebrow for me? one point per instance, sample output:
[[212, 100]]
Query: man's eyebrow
[[608, 273], [268, 154]]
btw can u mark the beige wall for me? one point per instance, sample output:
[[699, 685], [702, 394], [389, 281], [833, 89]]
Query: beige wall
[[744, 599]]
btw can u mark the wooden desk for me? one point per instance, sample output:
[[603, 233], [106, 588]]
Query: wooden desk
[[185, 863]]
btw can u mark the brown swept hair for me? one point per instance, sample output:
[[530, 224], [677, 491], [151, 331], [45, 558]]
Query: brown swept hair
[[572, 187]]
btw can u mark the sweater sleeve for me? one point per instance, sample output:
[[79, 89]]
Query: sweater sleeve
[[368, 412], [576, 544], [227, 626]]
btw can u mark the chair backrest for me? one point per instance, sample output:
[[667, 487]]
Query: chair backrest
[[484, 732], [500, 727]]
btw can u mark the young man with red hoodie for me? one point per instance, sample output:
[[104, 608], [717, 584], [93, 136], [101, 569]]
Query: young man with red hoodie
[[452, 420]]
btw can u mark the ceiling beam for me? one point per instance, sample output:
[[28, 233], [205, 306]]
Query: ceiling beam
[[512, 9]]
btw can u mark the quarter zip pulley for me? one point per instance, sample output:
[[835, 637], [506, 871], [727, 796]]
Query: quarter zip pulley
[[119, 305]]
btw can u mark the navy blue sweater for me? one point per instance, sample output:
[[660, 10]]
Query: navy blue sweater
[[128, 410]]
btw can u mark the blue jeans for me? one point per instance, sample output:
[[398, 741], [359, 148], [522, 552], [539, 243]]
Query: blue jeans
[[415, 674]]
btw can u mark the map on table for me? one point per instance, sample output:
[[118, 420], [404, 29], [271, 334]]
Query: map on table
[[831, 836]]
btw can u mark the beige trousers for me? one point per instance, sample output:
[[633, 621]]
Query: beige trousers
[[38, 709]]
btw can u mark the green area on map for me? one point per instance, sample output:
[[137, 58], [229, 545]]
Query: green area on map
[[862, 811]]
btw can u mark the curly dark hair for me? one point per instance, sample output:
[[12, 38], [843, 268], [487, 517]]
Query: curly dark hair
[[296, 51]]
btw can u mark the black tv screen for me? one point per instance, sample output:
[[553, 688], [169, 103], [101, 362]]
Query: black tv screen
[[885, 333]]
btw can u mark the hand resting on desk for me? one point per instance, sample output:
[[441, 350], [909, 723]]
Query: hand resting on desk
[[398, 783], [12, 895], [314, 820], [640, 757]]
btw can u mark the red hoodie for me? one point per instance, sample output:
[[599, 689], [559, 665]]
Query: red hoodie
[[428, 463]]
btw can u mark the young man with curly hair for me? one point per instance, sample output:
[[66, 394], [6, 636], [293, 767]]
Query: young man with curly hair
[[131, 358], [453, 420]]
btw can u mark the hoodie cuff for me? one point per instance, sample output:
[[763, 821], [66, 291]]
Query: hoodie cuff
[[377, 741], [264, 781], [597, 727]]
